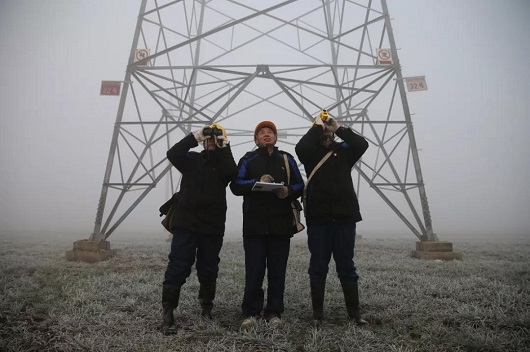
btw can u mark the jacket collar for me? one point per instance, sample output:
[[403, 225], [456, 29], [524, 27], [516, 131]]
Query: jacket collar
[[332, 147], [265, 152]]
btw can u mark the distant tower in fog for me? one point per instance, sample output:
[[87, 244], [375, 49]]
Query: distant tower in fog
[[195, 62]]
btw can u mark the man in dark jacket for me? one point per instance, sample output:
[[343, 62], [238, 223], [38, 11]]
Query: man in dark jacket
[[332, 210], [198, 217], [267, 223]]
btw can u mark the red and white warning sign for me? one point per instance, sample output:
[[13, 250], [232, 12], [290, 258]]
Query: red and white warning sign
[[140, 54], [384, 56]]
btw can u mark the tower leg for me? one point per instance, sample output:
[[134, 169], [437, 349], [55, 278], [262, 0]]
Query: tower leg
[[435, 250], [90, 251]]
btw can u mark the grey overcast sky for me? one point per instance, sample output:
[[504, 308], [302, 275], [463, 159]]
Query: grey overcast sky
[[472, 124]]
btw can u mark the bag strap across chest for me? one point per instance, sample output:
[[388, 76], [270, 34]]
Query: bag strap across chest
[[322, 161], [287, 168]]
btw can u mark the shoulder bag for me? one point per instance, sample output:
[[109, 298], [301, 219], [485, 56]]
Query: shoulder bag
[[295, 204]]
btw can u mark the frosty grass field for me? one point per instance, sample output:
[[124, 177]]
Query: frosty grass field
[[481, 303]]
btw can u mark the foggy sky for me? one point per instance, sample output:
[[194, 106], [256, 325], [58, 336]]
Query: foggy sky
[[471, 125]]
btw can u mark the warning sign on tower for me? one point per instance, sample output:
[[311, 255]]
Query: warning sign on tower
[[415, 84], [384, 57], [110, 88], [141, 54]]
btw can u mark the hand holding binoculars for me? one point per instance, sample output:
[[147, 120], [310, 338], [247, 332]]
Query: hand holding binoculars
[[212, 131]]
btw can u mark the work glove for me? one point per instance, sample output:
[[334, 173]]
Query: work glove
[[199, 136], [318, 121], [222, 141], [331, 125], [282, 192], [266, 178]]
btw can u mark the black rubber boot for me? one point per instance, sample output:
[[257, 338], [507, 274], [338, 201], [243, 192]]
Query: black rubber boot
[[317, 299], [206, 297], [170, 301], [351, 297]]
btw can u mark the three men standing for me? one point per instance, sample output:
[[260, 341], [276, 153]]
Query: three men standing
[[199, 213]]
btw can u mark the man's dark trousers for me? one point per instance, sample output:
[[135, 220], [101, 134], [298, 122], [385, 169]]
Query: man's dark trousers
[[271, 253], [185, 245], [327, 237]]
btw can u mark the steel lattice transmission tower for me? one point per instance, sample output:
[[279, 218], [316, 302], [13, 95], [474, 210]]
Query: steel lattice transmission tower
[[240, 62]]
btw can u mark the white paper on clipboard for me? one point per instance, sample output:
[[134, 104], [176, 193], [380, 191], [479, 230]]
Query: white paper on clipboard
[[266, 186]]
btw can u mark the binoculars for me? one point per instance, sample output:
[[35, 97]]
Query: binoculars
[[212, 131]]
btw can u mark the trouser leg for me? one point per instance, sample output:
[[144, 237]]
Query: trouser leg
[[343, 250], [320, 244], [181, 259], [277, 257], [343, 253], [207, 270], [255, 261]]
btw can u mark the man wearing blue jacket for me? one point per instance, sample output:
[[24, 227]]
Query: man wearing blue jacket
[[197, 217], [331, 210], [267, 223]]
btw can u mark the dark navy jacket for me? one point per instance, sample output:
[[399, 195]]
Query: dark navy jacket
[[264, 214], [201, 205], [330, 193]]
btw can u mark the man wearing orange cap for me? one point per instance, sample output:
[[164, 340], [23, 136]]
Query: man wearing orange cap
[[198, 216], [331, 210], [267, 223]]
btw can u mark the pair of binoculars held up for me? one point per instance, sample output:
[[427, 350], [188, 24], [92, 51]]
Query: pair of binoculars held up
[[212, 131]]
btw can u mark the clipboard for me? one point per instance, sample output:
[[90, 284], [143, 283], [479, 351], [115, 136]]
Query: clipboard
[[266, 186]]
